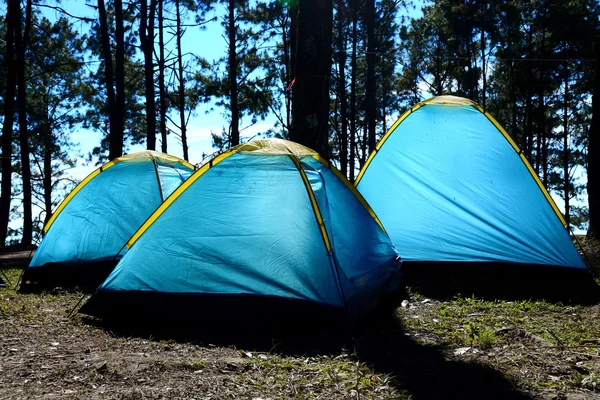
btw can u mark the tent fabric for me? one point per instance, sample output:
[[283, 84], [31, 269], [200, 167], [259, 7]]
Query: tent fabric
[[98, 217], [451, 186], [265, 220]]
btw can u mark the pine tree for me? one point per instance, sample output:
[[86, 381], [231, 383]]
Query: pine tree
[[12, 24]]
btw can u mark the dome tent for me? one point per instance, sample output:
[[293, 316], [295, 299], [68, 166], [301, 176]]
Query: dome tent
[[267, 228], [453, 189], [92, 224]]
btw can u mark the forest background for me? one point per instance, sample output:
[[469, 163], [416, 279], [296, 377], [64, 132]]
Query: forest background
[[82, 83]]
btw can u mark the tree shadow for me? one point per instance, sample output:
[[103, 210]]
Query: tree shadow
[[425, 371], [381, 342]]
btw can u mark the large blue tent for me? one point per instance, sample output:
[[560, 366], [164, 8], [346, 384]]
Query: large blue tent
[[91, 225], [269, 228], [451, 186]]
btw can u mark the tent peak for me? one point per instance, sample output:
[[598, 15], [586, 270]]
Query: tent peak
[[151, 154], [274, 146], [447, 100]]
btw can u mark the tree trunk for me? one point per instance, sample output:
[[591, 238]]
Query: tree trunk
[[593, 155], [233, 86], [286, 41], [293, 7], [529, 125], [353, 78], [565, 160], [313, 67], [161, 79], [342, 89], [147, 44], [108, 77], [483, 73], [12, 22], [47, 173], [543, 137], [116, 136], [21, 43], [541, 133], [513, 101], [181, 86], [528, 104], [371, 84]]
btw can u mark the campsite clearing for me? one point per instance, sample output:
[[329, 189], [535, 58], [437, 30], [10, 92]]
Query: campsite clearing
[[427, 348]]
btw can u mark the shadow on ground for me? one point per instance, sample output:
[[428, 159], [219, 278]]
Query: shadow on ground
[[381, 342], [509, 282]]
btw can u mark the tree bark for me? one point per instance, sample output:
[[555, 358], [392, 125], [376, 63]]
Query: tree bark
[[593, 155], [116, 138], [183, 127], [371, 107], [565, 160], [12, 22], [541, 135], [352, 161], [310, 112], [483, 73], [161, 79], [342, 88], [108, 78], [47, 174], [286, 41], [293, 7], [147, 44], [233, 86], [21, 43]]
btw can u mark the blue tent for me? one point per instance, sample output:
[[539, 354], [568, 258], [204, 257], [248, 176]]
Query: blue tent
[[451, 186], [92, 224], [267, 228]]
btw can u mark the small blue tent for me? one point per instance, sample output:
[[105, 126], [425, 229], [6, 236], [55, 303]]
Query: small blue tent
[[451, 186], [267, 228], [92, 224]]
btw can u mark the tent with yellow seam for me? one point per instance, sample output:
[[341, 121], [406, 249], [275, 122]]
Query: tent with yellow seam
[[267, 228]]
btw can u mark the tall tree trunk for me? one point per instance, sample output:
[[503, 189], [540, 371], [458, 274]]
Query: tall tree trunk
[[353, 78], [161, 79], [593, 155], [116, 138], [529, 102], [21, 43], [293, 7], [313, 67], [472, 88], [483, 72], [513, 101], [233, 86], [342, 88], [529, 125], [565, 160], [544, 139], [47, 173], [371, 84], [286, 40], [183, 127], [541, 139], [108, 77], [12, 21], [363, 147], [147, 44]]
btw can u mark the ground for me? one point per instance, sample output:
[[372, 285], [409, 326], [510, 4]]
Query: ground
[[424, 348]]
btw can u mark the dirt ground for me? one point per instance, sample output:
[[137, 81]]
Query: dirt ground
[[425, 348]]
